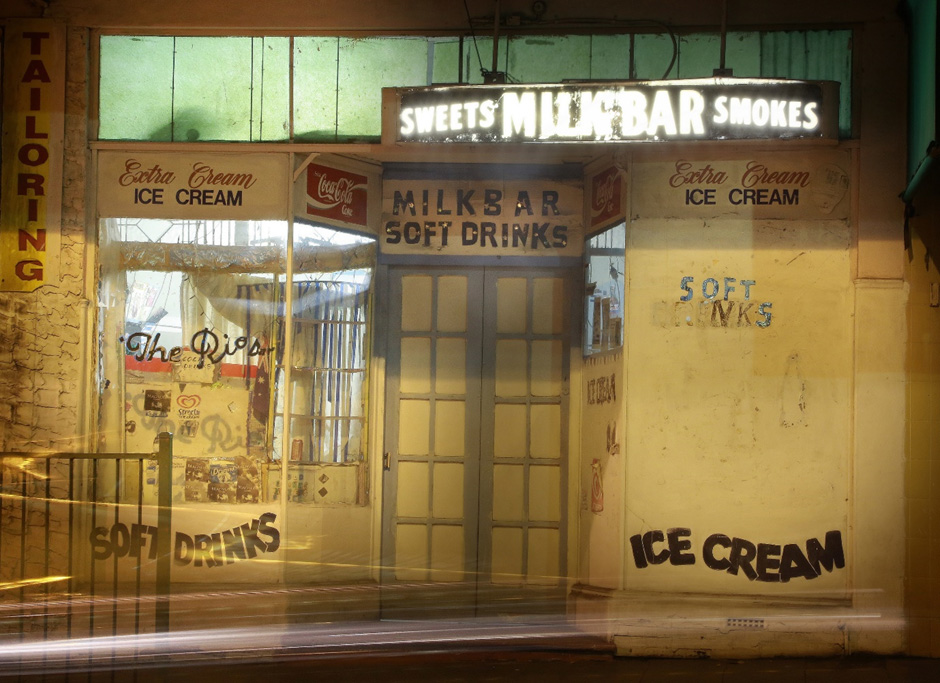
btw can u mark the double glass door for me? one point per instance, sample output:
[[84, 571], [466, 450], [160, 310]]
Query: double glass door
[[476, 433]]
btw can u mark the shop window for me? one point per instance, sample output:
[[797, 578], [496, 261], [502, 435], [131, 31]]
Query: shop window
[[193, 335], [191, 88], [604, 272], [329, 348]]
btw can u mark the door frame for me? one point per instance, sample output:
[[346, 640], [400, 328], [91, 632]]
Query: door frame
[[388, 304]]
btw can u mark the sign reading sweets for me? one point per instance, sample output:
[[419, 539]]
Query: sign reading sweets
[[33, 124], [481, 218], [695, 109], [207, 186]]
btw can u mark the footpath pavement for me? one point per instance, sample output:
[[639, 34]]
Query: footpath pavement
[[521, 667]]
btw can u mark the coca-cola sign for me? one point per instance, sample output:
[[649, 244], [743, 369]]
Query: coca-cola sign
[[606, 191], [335, 194]]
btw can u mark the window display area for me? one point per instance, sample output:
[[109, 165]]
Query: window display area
[[604, 262], [193, 342]]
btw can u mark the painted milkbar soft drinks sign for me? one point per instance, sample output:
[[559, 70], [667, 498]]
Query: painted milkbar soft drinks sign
[[687, 110], [532, 218], [33, 124]]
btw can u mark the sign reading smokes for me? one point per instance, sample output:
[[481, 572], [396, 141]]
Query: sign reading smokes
[[697, 109]]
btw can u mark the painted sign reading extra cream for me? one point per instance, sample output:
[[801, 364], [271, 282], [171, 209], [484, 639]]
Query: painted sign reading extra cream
[[188, 186], [776, 185]]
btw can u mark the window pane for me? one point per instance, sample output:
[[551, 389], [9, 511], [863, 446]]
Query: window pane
[[270, 89], [604, 261], [610, 57], [315, 62], [549, 59], [329, 354], [237, 88], [366, 65], [189, 316], [136, 88], [445, 60], [212, 89]]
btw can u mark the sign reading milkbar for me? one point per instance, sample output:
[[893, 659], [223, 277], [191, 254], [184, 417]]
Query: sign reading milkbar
[[630, 111]]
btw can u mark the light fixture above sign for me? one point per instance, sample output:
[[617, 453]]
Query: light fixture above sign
[[626, 111]]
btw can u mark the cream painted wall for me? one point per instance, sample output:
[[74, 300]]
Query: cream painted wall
[[739, 426], [602, 469]]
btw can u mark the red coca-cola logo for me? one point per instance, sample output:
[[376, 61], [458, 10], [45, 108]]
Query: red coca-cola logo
[[605, 196], [336, 194]]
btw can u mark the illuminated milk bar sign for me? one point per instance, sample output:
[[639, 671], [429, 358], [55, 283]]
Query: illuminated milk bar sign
[[698, 109]]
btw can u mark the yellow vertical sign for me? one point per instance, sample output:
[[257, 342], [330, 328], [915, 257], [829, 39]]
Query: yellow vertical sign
[[32, 151]]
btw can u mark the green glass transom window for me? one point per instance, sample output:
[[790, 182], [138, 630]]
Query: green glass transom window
[[242, 88]]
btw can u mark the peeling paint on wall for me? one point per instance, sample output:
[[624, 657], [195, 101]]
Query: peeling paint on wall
[[793, 394]]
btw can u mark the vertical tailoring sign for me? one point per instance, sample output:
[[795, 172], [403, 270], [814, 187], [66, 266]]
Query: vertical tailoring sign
[[33, 123]]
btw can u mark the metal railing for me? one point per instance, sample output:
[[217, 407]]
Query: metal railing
[[56, 580]]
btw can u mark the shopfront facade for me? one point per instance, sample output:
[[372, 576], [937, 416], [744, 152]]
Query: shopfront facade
[[631, 345]]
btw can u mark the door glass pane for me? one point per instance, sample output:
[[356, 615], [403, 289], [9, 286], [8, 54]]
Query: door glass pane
[[415, 365], [545, 435], [451, 366], [411, 552], [507, 555], [512, 364], [413, 483], [452, 304], [413, 432], [510, 430], [416, 303], [508, 492], [447, 552], [449, 428], [546, 367], [543, 558], [511, 306], [448, 491], [547, 309], [544, 494]]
